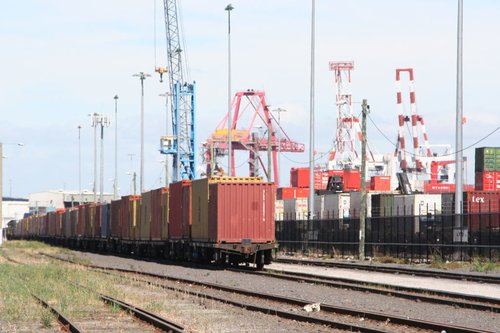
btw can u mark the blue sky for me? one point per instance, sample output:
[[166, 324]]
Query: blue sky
[[62, 60]]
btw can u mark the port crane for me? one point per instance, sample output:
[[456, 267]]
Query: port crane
[[249, 108], [181, 144]]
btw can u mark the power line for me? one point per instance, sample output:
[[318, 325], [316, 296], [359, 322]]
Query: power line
[[412, 154]]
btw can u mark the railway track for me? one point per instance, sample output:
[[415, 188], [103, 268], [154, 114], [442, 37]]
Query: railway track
[[394, 270], [416, 294], [66, 324], [78, 325], [329, 315]]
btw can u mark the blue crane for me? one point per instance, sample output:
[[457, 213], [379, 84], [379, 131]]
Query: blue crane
[[181, 145]]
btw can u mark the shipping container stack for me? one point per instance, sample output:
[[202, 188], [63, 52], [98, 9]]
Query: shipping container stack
[[487, 167]]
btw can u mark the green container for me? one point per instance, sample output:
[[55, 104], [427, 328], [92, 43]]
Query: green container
[[487, 159]]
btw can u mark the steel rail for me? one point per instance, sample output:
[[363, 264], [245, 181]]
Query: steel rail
[[154, 320], [376, 316], [440, 297], [65, 323], [146, 316], [397, 270]]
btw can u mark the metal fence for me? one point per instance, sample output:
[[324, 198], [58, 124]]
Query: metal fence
[[418, 238]]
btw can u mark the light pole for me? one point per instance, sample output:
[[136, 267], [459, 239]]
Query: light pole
[[79, 164], [93, 123], [279, 110], [115, 183], [103, 121], [132, 173], [142, 76], [166, 95], [311, 119], [229, 8]]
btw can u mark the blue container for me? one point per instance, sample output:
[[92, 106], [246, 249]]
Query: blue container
[[105, 221]]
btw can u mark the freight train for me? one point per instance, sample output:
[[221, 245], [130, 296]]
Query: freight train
[[221, 220]]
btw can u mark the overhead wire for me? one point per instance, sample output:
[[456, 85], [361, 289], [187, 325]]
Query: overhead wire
[[451, 154]]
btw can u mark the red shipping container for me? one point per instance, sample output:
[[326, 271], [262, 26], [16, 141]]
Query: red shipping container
[[487, 181], [115, 218], [241, 211], [292, 193], [478, 202], [299, 177], [352, 180], [180, 217], [380, 183]]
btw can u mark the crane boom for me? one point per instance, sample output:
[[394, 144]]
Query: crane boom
[[182, 102]]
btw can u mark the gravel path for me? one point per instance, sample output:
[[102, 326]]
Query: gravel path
[[424, 311]]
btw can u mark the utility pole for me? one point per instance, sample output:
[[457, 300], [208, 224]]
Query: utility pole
[[458, 135], [279, 110], [115, 183], [362, 210], [229, 8], [93, 123], [269, 161], [142, 76], [311, 117], [79, 165]]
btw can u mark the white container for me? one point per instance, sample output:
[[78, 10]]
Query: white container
[[279, 210], [337, 205], [355, 204], [295, 209], [422, 206]]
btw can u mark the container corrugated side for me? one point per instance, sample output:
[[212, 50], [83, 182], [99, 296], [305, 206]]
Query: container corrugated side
[[199, 229], [241, 213], [74, 221], [156, 213], [145, 220], [97, 223], [115, 224], [105, 220], [67, 223], [165, 214], [180, 210]]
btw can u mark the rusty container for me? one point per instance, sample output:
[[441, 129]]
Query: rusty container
[[52, 224], [129, 211], [164, 213], [144, 222], [89, 220], [241, 212], [59, 222], [67, 223], [180, 210], [74, 222], [482, 208], [115, 226], [157, 222], [96, 226], [80, 226]]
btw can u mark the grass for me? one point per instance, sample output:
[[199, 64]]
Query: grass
[[50, 280]]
